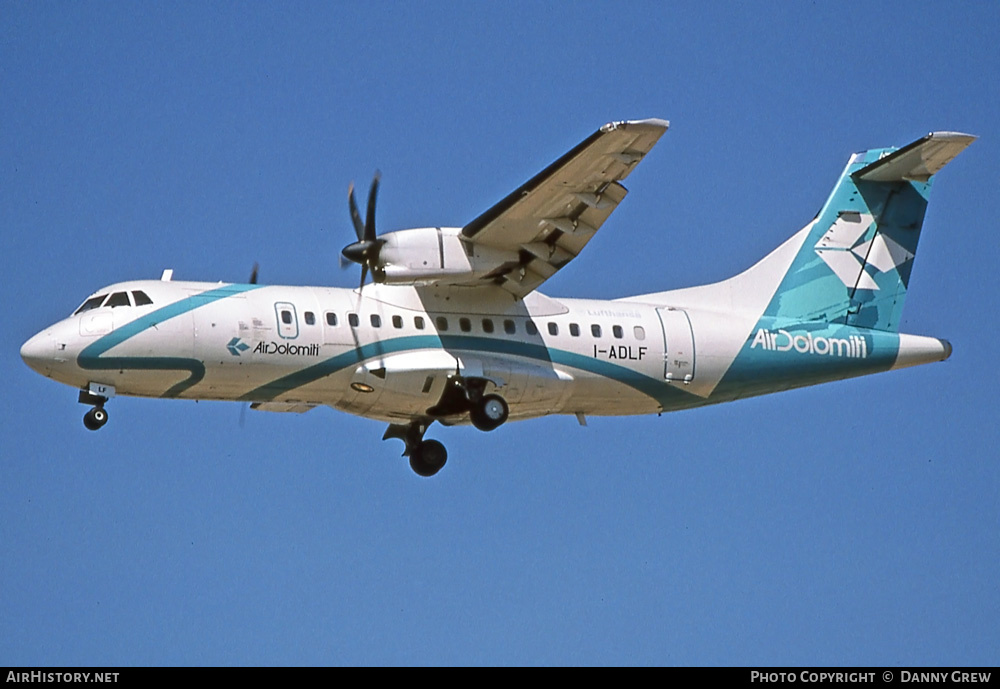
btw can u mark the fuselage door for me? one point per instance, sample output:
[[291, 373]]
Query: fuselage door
[[288, 322], [678, 345]]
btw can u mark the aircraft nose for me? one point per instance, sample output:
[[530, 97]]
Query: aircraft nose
[[39, 352]]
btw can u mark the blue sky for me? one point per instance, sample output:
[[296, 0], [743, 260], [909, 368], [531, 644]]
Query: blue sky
[[852, 523]]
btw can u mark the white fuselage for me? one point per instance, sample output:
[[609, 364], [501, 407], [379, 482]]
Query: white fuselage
[[387, 352]]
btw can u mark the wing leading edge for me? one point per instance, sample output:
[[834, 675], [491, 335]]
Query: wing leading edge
[[550, 218]]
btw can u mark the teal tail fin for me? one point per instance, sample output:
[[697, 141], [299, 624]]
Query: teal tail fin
[[854, 265]]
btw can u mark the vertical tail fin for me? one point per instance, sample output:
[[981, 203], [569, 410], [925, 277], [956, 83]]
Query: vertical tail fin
[[854, 265]]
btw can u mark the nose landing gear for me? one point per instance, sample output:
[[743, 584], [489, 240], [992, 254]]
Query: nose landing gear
[[95, 419]]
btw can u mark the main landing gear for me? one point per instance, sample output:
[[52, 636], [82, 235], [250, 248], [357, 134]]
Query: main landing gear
[[427, 457], [94, 419], [489, 413], [461, 395]]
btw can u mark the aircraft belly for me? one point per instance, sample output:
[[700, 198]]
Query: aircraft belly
[[600, 396]]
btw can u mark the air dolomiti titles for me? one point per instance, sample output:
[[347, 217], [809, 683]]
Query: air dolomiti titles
[[853, 346], [285, 348]]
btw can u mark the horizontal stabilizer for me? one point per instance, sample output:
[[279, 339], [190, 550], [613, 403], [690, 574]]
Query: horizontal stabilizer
[[918, 161]]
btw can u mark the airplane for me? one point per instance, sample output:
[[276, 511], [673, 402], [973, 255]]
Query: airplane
[[453, 328]]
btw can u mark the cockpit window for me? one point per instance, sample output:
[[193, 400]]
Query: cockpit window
[[140, 298], [118, 299], [91, 303]]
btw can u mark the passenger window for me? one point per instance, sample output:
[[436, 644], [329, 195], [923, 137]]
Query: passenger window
[[639, 332], [286, 317], [595, 330], [617, 331], [574, 330], [118, 299], [418, 322], [397, 322], [442, 323], [353, 319], [530, 327], [487, 325], [465, 325], [553, 329], [331, 318], [310, 318], [140, 298], [508, 326], [376, 320], [91, 303]]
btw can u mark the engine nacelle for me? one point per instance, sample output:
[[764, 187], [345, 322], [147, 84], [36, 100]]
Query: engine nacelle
[[428, 255]]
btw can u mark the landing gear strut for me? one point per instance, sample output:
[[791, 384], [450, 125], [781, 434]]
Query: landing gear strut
[[427, 457]]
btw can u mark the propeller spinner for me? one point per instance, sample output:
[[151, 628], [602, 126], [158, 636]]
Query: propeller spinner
[[365, 251]]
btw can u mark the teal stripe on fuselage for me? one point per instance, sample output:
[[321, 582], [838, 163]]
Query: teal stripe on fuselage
[[656, 389], [90, 358], [756, 369], [781, 354]]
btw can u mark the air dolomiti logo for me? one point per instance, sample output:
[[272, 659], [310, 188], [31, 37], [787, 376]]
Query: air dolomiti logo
[[236, 347], [851, 347], [286, 348]]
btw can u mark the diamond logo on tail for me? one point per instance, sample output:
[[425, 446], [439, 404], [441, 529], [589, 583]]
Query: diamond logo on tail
[[843, 252]]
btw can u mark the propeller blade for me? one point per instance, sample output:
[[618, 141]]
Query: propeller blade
[[359, 228], [365, 251], [370, 217], [254, 272]]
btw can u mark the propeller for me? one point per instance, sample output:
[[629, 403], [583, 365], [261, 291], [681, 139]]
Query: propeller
[[365, 251]]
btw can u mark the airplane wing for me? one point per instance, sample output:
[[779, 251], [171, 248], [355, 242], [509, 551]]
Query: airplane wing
[[550, 218]]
